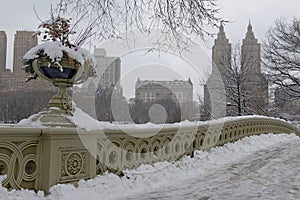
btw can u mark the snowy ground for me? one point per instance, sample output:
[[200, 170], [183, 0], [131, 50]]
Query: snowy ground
[[257, 167]]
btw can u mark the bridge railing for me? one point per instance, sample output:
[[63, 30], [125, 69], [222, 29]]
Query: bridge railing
[[129, 148], [19, 155], [38, 158]]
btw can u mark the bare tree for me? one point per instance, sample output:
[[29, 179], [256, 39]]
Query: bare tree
[[233, 79], [178, 20], [231, 75], [282, 56]]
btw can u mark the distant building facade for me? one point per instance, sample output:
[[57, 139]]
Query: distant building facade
[[102, 97], [253, 88], [24, 41], [108, 69], [176, 97], [108, 72], [6, 78], [3, 49], [179, 91], [5, 74], [254, 83]]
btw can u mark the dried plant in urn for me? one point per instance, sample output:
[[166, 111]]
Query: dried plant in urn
[[58, 59]]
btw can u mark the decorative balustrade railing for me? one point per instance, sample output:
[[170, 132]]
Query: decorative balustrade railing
[[19, 156], [129, 148], [38, 158]]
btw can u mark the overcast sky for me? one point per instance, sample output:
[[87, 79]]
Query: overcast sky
[[19, 15]]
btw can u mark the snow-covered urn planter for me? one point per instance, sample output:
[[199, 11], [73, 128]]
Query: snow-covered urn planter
[[61, 153], [59, 61]]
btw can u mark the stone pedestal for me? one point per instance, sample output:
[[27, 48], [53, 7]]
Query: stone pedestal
[[64, 152], [65, 158]]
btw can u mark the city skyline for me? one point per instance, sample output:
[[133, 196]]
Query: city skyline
[[261, 14], [140, 64]]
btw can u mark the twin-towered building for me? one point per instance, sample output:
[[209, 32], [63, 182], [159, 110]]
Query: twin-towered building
[[236, 83]]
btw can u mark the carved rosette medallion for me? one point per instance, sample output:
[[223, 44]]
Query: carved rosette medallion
[[74, 164]]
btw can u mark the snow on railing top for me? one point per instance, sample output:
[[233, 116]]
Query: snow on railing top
[[88, 123]]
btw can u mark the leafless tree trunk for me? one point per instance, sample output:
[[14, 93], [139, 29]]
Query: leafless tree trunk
[[233, 79]]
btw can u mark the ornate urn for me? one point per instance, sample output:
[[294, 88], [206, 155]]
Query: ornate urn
[[62, 74], [61, 62]]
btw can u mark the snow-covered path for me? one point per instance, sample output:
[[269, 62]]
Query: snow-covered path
[[256, 167], [271, 173]]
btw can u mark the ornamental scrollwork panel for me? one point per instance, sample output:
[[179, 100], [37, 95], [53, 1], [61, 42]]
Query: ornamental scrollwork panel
[[19, 162]]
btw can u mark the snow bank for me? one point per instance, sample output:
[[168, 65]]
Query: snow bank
[[150, 177]]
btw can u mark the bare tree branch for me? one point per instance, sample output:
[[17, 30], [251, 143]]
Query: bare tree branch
[[179, 20], [282, 56]]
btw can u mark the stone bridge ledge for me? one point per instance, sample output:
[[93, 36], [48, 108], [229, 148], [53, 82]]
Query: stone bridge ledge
[[38, 158]]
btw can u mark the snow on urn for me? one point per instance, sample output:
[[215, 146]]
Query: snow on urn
[[59, 61]]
